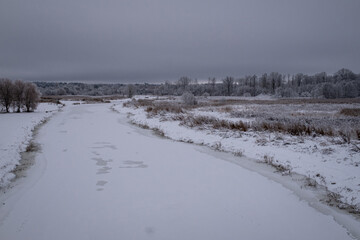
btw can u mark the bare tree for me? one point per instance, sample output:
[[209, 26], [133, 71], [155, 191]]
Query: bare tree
[[130, 90], [183, 83], [18, 94], [6, 93], [31, 97], [228, 84], [212, 83]]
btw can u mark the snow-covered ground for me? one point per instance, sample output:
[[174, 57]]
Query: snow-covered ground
[[99, 177], [326, 161], [16, 131]]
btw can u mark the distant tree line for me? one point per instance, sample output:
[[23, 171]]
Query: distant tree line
[[343, 84], [18, 95]]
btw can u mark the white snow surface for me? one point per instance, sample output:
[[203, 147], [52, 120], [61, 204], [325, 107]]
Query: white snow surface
[[16, 131], [338, 168], [99, 177]]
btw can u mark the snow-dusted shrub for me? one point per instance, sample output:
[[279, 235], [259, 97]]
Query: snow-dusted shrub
[[189, 99], [305, 94], [238, 153], [217, 146], [206, 95], [346, 135], [284, 169]]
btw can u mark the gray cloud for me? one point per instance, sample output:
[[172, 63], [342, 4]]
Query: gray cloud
[[157, 40]]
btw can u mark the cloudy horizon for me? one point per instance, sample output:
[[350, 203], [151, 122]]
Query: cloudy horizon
[[153, 41]]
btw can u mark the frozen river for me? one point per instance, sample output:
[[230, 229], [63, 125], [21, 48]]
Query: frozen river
[[98, 177]]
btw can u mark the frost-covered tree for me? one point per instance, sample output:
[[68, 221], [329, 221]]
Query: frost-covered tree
[[275, 80], [18, 94], [130, 90], [212, 84], [329, 91], [228, 84], [6, 93], [167, 89], [344, 74], [320, 78], [183, 83], [350, 90], [31, 97], [345, 83], [263, 81]]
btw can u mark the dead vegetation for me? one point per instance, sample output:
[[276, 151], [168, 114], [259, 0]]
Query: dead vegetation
[[86, 99], [292, 128], [334, 200], [155, 107], [296, 101], [215, 123], [32, 147], [164, 107], [54, 100], [285, 170], [296, 117], [354, 112]]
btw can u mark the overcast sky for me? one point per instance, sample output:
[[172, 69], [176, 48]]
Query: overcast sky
[[158, 40]]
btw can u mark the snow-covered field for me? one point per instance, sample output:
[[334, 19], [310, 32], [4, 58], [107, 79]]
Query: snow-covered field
[[325, 160], [16, 131], [99, 177]]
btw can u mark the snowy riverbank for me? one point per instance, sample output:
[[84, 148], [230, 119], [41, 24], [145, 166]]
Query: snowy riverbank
[[16, 132], [322, 159]]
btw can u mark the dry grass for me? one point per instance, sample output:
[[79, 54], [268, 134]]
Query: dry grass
[[158, 132], [297, 101], [238, 153], [310, 182], [194, 121], [32, 147], [226, 109], [164, 107], [354, 112], [87, 99], [279, 167], [297, 117], [155, 107], [334, 199], [294, 128], [54, 100]]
